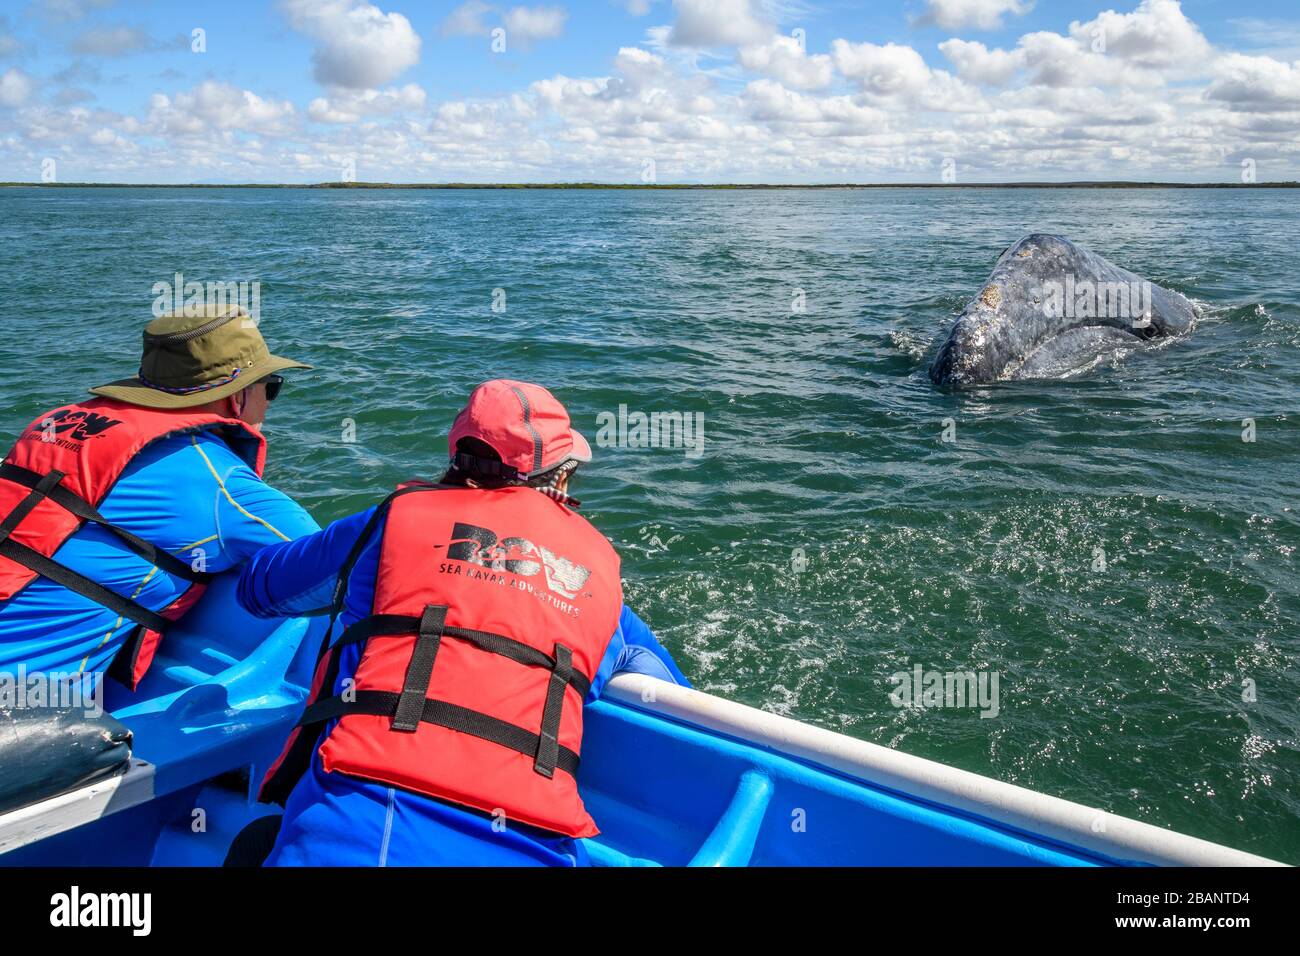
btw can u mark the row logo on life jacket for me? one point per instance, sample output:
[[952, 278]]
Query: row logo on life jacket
[[53, 481], [518, 556], [476, 659], [75, 424]]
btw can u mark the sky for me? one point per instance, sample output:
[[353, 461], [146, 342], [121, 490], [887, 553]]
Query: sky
[[666, 91]]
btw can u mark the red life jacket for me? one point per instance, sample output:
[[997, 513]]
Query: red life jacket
[[52, 482], [491, 615]]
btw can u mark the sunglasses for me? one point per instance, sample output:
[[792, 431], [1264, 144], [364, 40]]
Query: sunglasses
[[273, 385]]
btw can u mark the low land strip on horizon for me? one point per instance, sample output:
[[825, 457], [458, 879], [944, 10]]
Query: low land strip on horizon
[[1083, 184]]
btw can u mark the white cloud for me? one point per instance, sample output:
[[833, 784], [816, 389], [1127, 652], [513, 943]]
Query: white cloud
[[106, 137], [883, 70], [15, 88], [358, 45], [1156, 34], [769, 101], [73, 94], [113, 41], [9, 44], [1147, 47], [710, 23], [982, 14], [977, 63], [645, 101], [1156, 105], [523, 25], [212, 106], [528, 24], [349, 106], [1256, 83], [467, 20], [65, 11], [785, 59], [1054, 60], [638, 68], [1047, 59]]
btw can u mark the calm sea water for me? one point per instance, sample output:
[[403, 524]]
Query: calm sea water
[[827, 537]]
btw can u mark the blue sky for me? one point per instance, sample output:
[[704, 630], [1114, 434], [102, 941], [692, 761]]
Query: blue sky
[[630, 90]]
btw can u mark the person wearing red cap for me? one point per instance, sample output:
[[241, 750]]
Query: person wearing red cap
[[473, 619]]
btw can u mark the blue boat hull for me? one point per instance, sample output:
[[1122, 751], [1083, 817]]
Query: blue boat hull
[[673, 777]]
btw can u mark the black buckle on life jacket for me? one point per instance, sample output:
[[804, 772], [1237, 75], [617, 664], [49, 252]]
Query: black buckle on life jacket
[[412, 706], [415, 688]]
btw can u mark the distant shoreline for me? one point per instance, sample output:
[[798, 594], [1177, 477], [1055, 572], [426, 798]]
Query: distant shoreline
[[665, 186]]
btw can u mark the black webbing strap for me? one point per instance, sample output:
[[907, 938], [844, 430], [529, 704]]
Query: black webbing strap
[[487, 467], [415, 688], [412, 707], [442, 714], [296, 758], [47, 568], [40, 490], [72, 502], [345, 572], [387, 625], [297, 754], [548, 743]]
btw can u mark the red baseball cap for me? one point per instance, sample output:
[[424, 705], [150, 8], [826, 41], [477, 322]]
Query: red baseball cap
[[524, 423]]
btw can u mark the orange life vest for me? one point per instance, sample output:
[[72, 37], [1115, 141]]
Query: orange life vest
[[54, 479], [492, 612]]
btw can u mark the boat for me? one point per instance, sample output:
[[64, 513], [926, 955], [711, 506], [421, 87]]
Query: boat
[[673, 776]]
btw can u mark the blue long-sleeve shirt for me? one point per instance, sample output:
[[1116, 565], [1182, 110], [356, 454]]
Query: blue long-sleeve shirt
[[191, 495], [335, 820]]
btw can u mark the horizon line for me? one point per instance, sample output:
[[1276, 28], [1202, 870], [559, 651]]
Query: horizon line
[[578, 184]]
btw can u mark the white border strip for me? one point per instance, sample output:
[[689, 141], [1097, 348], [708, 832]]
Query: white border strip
[[1037, 813], [57, 814]]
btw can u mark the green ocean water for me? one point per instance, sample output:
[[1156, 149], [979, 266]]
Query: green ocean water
[[1109, 545]]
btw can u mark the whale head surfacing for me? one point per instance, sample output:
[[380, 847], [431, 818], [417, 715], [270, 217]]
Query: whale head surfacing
[[1051, 307]]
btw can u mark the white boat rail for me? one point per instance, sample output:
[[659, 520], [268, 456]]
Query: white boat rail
[[1072, 824], [36, 821]]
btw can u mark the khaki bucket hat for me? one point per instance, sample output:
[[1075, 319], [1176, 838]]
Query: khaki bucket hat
[[199, 358]]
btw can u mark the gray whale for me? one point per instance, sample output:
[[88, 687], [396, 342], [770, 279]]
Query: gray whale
[[1051, 307]]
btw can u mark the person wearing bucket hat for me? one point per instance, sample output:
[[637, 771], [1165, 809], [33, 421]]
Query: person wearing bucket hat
[[476, 617], [117, 510], [204, 360]]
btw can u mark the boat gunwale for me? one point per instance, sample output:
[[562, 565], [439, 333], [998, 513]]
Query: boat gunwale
[[1038, 815], [70, 809]]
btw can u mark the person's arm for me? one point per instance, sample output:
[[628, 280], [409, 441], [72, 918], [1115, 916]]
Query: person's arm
[[635, 650], [250, 514], [297, 577], [642, 653]]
